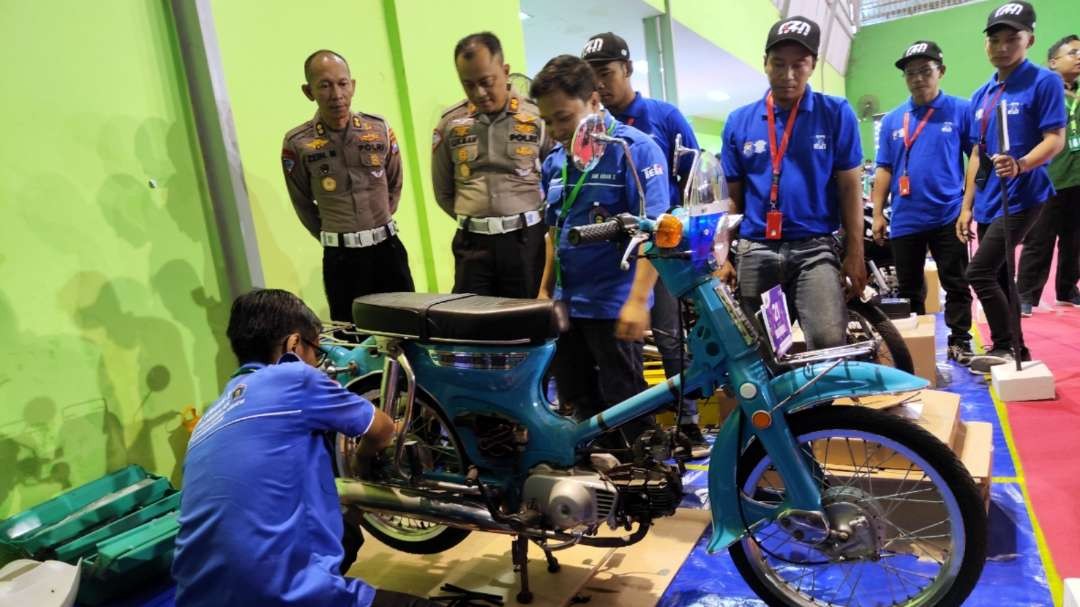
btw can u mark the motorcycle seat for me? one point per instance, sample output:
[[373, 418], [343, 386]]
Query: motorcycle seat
[[459, 318]]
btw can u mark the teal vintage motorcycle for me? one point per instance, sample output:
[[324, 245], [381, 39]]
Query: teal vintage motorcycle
[[817, 504]]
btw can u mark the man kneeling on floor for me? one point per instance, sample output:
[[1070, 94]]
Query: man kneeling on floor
[[260, 522]]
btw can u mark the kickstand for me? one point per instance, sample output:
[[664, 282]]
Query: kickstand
[[520, 555], [460, 597]]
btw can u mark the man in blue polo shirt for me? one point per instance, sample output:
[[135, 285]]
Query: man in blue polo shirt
[[794, 169], [598, 362], [609, 57], [920, 165], [1035, 102], [260, 522]]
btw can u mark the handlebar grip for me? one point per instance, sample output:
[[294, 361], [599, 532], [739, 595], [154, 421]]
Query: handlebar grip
[[595, 232]]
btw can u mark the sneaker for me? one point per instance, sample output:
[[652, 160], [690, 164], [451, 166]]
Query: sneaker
[[981, 363], [961, 353], [699, 447], [1073, 301], [1025, 309]]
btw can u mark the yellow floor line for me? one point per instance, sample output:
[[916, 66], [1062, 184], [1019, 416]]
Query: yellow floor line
[[1052, 577], [1005, 480], [697, 467]]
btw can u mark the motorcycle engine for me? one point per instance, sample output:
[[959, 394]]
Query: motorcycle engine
[[569, 498]]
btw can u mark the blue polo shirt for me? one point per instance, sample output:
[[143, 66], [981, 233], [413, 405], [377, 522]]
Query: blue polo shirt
[[593, 286], [825, 140], [935, 165], [662, 121], [260, 522], [1036, 103]]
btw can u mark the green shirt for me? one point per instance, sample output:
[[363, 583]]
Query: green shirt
[[1065, 168]]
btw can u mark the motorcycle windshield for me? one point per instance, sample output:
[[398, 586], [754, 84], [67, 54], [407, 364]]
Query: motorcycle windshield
[[707, 204]]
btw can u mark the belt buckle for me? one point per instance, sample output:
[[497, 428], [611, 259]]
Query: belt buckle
[[494, 225], [366, 239]]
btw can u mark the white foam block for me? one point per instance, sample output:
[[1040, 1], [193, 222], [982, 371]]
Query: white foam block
[[1072, 592], [1033, 381], [906, 324]]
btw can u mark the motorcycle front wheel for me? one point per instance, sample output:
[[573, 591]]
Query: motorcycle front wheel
[[908, 525], [437, 449]]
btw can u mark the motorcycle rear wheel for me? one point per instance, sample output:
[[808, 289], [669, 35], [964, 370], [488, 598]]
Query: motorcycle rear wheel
[[438, 448], [918, 523], [893, 351]]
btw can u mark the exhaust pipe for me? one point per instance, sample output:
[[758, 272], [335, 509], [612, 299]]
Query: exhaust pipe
[[396, 501], [419, 505]]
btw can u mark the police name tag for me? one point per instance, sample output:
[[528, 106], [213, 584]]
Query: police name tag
[[774, 312]]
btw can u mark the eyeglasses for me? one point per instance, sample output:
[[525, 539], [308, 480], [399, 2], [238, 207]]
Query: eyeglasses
[[1074, 53], [925, 72], [320, 354]]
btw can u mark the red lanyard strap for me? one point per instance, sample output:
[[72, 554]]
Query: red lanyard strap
[[776, 153], [910, 141], [987, 112]]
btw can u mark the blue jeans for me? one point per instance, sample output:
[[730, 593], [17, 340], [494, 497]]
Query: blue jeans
[[809, 272]]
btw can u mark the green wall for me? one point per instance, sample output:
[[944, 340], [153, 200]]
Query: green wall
[[742, 35], [404, 71], [111, 308], [959, 32]]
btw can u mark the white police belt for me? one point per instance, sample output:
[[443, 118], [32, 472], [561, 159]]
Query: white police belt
[[358, 240], [498, 225]]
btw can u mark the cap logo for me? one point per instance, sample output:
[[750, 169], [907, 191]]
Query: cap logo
[[801, 28], [1011, 8], [593, 46], [916, 49]]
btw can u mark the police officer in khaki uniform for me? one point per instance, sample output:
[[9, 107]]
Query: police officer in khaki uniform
[[485, 165], [343, 172]]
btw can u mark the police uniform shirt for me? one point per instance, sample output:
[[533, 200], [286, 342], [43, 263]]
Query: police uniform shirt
[[825, 140], [260, 522], [662, 121], [592, 284], [343, 181], [1035, 102], [935, 165], [489, 165]]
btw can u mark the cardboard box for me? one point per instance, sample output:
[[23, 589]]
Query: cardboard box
[[920, 343], [933, 288], [935, 411], [976, 451]]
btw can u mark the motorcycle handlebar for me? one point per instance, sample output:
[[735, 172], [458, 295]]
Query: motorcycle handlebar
[[596, 232]]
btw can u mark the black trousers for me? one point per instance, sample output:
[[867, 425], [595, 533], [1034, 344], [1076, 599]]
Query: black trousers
[[500, 265], [350, 273], [593, 371], [1059, 220], [988, 276], [951, 256]]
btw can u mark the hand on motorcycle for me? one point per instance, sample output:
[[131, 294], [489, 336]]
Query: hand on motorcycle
[[854, 268], [633, 320], [726, 273], [879, 228], [963, 225]]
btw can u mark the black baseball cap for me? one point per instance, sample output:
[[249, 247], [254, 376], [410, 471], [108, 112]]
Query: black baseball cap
[[1017, 15], [605, 47], [926, 49], [795, 29]]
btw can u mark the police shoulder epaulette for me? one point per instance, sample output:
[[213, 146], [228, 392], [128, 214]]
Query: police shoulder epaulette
[[457, 106], [298, 131], [372, 116]]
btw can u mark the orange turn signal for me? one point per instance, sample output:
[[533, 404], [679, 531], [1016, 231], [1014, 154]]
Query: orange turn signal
[[668, 231]]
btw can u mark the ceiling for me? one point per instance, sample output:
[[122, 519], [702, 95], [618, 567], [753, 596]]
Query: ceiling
[[710, 81]]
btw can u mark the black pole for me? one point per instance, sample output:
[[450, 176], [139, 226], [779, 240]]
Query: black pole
[[1010, 254]]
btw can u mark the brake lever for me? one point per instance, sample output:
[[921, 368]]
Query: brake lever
[[638, 238]]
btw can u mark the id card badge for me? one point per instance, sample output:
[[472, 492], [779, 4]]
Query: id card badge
[[774, 219], [905, 185], [1074, 143]]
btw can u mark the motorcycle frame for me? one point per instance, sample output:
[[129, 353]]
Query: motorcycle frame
[[464, 379]]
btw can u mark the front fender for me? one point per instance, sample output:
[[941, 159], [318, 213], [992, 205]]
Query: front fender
[[848, 379]]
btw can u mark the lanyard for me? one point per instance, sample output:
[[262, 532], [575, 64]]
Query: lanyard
[[1071, 107], [987, 111], [776, 154], [910, 141], [568, 201]]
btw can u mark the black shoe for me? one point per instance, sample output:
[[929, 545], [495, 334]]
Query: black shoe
[[699, 447], [981, 364], [960, 351]]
